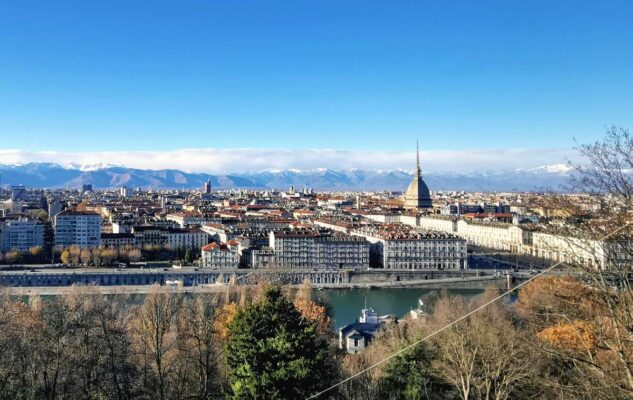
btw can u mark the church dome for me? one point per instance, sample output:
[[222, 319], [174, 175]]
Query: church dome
[[417, 194]]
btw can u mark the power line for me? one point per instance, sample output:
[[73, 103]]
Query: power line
[[463, 317]]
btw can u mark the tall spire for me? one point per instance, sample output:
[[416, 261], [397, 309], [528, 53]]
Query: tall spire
[[417, 154]]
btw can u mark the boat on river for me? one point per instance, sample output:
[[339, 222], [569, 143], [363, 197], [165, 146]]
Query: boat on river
[[419, 312]]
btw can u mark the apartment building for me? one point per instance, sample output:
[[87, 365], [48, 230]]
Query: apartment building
[[116, 240], [186, 238], [398, 247], [311, 248], [220, 256], [80, 228], [342, 251], [496, 235], [21, 235], [294, 248], [192, 219]]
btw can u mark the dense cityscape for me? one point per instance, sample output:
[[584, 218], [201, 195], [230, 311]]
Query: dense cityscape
[[297, 232], [356, 200]]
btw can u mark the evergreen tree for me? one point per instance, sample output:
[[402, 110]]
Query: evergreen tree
[[410, 376], [275, 353]]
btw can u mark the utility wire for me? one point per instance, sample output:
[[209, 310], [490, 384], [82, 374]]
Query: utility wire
[[463, 317]]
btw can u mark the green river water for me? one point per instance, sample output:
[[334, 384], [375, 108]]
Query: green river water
[[346, 303]]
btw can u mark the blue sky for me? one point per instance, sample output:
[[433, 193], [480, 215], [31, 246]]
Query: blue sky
[[94, 76]]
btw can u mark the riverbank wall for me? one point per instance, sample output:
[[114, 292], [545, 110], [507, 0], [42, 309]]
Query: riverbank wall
[[193, 280]]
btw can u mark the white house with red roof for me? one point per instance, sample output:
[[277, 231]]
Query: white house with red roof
[[221, 256]]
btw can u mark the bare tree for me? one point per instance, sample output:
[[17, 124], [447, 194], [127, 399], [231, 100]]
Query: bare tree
[[484, 356], [155, 340], [201, 347]]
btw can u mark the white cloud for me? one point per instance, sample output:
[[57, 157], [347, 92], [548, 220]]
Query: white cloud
[[248, 159]]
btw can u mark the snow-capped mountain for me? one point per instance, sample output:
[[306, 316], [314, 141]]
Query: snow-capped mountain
[[49, 175]]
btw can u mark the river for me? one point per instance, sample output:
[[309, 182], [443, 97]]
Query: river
[[346, 303]]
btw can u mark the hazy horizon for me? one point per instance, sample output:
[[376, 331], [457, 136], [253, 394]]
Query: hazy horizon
[[222, 161]]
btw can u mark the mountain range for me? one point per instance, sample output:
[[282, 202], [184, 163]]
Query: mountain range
[[50, 175]]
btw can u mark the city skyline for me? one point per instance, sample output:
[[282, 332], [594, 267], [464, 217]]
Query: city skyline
[[316, 199]]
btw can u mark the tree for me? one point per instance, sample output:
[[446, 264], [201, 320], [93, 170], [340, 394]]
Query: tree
[[410, 376], [85, 256], [12, 257], [482, 356], [134, 255], [75, 254], [201, 347], [155, 339], [311, 310], [274, 353], [108, 255], [223, 319], [36, 251], [600, 246], [65, 257]]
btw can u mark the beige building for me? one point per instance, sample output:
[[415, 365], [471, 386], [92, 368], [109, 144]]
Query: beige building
[[496, 235], [586, 252], [436, 222]]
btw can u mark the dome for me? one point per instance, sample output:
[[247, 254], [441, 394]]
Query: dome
[[417, 194]]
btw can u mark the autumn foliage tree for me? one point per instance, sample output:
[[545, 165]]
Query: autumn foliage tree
[[311, 310], [578, 336]]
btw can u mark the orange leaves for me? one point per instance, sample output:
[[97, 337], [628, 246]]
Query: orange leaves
[[316, 313], [546, 297], [311, 310], [575, 336], [223, 319]]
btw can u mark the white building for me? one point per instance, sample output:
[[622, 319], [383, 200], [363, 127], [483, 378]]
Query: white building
[[125, 191], [148, 235], [440, 223], [355, 337], [79, 228], [260, 258], [117, 240], [342, 251], [586, 252], [220, 256], [186, 238]]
